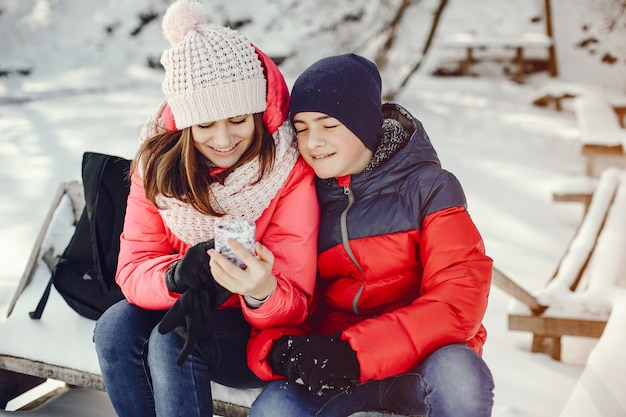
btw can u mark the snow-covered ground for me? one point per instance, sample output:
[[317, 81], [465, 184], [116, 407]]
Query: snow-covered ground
[[89, 89]]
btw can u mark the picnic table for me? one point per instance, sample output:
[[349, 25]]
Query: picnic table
[[519, 42]]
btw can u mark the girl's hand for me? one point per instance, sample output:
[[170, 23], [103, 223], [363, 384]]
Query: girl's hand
[[255, 281]]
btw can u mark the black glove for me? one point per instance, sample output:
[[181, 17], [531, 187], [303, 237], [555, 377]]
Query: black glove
[[190, 317], [281, 352], [321, 363], [192, 270]]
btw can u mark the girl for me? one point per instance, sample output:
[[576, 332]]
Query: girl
[[220, 147], [404, 277]]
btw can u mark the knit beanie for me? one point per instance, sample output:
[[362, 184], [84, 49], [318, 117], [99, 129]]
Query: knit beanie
[[346, 87], [211, 72]]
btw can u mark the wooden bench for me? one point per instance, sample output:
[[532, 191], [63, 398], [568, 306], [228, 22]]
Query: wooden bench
[[32, 356], [555, 94], [601, 134], [600, 118], [472, 43], [574, 301], [576, 190], [59, 346]]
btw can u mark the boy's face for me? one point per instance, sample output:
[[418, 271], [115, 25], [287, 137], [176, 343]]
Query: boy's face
[[328, 146]]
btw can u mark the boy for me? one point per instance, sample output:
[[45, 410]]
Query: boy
[[403, 275]]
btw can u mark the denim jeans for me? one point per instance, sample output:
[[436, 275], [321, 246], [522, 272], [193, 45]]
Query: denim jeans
[[452, 381], [139, 368]]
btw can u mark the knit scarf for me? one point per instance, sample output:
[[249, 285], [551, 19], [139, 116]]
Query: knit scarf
[[237, 197], [394, 138]]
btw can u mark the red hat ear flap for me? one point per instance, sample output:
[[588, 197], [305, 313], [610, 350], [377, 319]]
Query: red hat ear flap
[[168, 119], [277, 97]]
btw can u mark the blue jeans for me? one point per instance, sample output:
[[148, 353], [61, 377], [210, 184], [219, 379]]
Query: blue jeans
[[139, 368], [453, 381]]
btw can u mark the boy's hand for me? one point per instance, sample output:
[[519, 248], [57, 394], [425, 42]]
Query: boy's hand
[[321, 363]]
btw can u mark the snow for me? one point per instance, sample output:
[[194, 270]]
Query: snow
[[606, 267], [89, 88], [597, 121], [582, 184], [70, 330], [596, 393], [471, 40]]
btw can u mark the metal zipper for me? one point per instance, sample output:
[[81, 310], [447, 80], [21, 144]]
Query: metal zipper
[[346, 245]]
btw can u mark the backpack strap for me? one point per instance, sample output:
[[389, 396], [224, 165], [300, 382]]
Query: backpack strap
[[93, 168], [36, 314]]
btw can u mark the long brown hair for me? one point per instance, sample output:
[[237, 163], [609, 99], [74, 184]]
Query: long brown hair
[[174, 168]]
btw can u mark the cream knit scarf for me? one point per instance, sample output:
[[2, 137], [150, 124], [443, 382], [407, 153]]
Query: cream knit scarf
[[237, 197]]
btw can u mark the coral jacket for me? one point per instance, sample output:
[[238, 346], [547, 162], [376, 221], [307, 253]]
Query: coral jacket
[[288, 228], [409, 273]]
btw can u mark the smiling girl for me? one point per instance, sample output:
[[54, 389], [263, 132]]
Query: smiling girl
[[219, 147]]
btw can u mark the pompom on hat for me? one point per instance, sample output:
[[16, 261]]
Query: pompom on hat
[[211, 72], [347, 87]]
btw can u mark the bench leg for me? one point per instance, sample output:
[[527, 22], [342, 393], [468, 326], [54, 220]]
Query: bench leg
[[469, 57], [620, 112], [547, 344], [589, 166], [519, 58], [13, 384]]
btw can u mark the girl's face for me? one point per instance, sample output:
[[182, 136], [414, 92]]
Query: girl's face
[[224, 141], [328, 146]]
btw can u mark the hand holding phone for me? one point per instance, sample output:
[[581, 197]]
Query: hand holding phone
[[241, 230]]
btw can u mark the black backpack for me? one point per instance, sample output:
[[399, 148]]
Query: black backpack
[[85, 272]]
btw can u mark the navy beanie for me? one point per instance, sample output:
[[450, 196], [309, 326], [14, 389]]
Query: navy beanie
[[346, 87]]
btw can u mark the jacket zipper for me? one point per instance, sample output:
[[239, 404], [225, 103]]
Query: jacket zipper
[[346, 245]]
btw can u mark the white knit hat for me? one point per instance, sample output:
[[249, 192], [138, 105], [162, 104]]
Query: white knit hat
[[211, 72]]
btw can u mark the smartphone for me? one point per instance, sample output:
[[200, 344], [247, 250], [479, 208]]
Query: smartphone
[[240, 230]]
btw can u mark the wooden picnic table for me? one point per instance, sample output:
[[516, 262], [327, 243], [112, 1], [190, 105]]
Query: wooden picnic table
[[471, 42]]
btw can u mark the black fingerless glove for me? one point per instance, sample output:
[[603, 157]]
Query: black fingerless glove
[[192, 270]]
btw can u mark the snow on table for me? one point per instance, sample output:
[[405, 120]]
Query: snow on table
[[471, 40], [598, 122]]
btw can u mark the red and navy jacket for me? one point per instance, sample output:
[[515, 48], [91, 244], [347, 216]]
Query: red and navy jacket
[[402, 267]]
